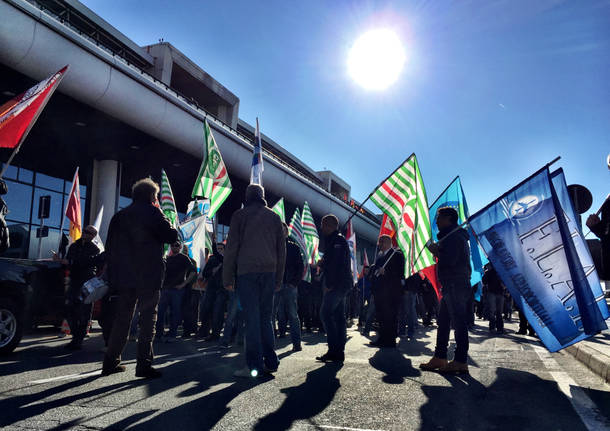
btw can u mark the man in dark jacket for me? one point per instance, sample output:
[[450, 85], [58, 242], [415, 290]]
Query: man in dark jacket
[[386, 275], [453, 269], [134, 250], [254, 262], [215, 297], [601, 229], [495, 299], [83, 261], [179, 272], [336, 282], [288, 294]]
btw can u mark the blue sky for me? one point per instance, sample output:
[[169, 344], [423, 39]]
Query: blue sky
[[491, 90]]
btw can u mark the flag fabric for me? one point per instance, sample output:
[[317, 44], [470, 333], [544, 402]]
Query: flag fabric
[[278, 208], [295, 232], [168, 205], [532, 238], [256, 173], [310, 234], [73, 210], [387, 228], [365, 263], [453, 197], [403, 198], [196, 237], [19, 114], [350, 236], [213, 179]]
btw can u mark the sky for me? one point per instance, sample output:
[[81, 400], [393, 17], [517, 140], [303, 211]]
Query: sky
[[491, 90]]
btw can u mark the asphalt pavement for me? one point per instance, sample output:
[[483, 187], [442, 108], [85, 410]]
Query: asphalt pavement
[[514, 384]]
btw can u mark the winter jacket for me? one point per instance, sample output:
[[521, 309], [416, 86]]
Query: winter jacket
[[453, 255], [336, 263], [255, 244], [293, 272]]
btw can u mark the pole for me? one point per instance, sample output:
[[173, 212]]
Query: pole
[[40, 238], [373, 192], [42, 106]]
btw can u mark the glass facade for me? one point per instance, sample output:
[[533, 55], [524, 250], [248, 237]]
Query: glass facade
[[24, 190]]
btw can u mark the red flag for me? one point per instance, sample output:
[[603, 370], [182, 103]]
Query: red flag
[[430, 274], [387, 228], [18, 115], [365, 263], [73, 212]]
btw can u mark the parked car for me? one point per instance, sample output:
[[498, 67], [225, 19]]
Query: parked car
[[31, 294]]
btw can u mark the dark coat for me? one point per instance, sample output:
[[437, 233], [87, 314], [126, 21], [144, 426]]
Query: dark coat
[[602, 231], [453, 255], [212, 272], [492, 281], [83, 259], [336, 263], [390, 283], [295, 267], [134, 247]]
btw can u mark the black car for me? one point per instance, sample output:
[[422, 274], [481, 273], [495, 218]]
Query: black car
[[31, 294]]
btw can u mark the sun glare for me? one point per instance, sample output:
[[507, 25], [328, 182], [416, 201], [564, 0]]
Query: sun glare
[[376, 59]]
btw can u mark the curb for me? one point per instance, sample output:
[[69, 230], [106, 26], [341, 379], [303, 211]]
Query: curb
[[593, 359]]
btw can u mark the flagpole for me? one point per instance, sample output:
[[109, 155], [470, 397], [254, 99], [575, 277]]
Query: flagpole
[[374, 190], [63, 210], [443, 192], [467, 221], [25, 134]]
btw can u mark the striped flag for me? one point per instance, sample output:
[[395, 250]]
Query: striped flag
[[350, 236], [256, 173], [402, 197], [278, 208], [310, 234], [73, 210], [295, 232], [168, 206], [213, 179], [387, 228]]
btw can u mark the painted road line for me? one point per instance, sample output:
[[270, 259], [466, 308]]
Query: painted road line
[[584, 407], [333, 427]]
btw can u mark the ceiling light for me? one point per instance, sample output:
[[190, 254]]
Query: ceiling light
[[134, 147], [80, 124]]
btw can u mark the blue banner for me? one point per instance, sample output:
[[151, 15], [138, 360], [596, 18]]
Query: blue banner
[[453, 197], [531, 237]]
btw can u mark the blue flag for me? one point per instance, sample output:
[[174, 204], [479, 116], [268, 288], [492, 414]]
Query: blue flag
[[532, 239], [453, 197]]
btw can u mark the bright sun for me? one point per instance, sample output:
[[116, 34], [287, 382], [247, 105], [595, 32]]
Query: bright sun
[[376, 59]]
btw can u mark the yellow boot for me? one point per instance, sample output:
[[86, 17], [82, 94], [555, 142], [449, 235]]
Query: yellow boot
[[433, 364]]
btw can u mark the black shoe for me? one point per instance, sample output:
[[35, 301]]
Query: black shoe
[[106, 371], [331, 357], [148, 372], [73, 346], [297, 348], [521, 332]]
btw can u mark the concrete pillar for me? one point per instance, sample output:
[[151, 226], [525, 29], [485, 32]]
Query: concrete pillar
[[105, 189]]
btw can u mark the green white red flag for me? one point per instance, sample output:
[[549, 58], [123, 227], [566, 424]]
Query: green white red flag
[[213, 179], [402, 197], [168, 205], [295, 232], [310, 235], [278, 208]]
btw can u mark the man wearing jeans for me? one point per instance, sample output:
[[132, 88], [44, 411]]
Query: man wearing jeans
[[178, 268], [254, 263], [495, 299], [336, 282], [453, 268], [288, 294]]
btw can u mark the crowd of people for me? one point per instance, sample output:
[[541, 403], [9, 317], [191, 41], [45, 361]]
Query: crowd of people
[[252, 290]]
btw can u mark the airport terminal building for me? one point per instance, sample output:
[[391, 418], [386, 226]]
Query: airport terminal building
[[124, 112]]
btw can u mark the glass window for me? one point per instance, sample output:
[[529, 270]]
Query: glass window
[[49, 243], [83, 191], [124, 202], [26, 175], [19, 201], [55, 211], [48, 182], [11, 172]]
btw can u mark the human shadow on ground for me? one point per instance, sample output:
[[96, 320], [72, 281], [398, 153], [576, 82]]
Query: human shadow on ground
[[394, 364], [533, 404], [304, 401]]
